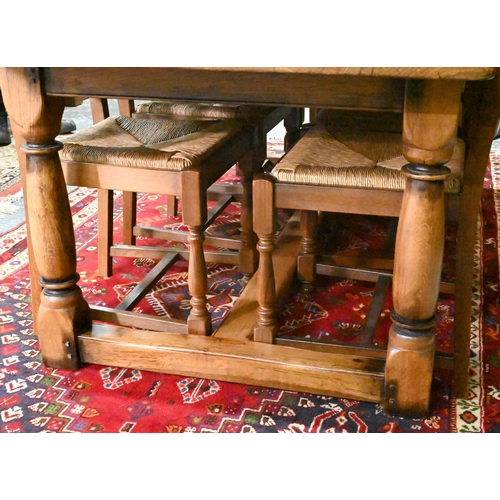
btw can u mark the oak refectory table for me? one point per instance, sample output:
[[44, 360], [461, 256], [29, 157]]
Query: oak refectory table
[[430, 99]]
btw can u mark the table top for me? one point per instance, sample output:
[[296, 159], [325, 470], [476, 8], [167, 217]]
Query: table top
[[450, 73]]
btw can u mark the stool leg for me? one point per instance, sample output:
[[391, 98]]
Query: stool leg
[[104, 231], [172, 205], [194, 215], [264, 223], [248, 254], [199, 320], [99, 109], [129, 217], [293, 123], [306, 260], [126, 107]]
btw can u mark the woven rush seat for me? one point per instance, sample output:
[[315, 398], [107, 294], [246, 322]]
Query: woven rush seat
[[152, 144], [348, 162], [175, 110], [199, 111], [180, 157], [330, 155]]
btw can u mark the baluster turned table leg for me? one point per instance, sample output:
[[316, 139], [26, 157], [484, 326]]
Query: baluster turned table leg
[[430, 122], [63, 313]]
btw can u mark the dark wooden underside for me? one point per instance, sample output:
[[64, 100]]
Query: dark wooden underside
[[280, 89]]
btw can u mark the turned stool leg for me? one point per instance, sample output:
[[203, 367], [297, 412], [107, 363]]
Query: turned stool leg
[[194, 215], [126, 107], [199, 320], [430, 123], [306, 260], [248, 254], [264, 224]]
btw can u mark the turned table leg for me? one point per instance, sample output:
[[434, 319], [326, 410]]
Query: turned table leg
[[36, 287], [417, 273], [63, 312], [430, 122]]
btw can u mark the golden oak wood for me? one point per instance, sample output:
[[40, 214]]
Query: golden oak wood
[[104, 230], [237, 358], [240, 323], [249, 257], [421, 243], [150, 252], [306, 261], [443, 361], [36, 288], [129, 217], [466, 73], [138, 320], [62, 312], [430, 122], [99, 109], [173, 235], [265, 227], [235, 361]]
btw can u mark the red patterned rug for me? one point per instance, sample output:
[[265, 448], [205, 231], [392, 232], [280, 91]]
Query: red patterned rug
[[106, 399]]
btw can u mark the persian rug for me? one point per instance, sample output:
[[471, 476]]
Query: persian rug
[[10, 180], [107, 399]]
